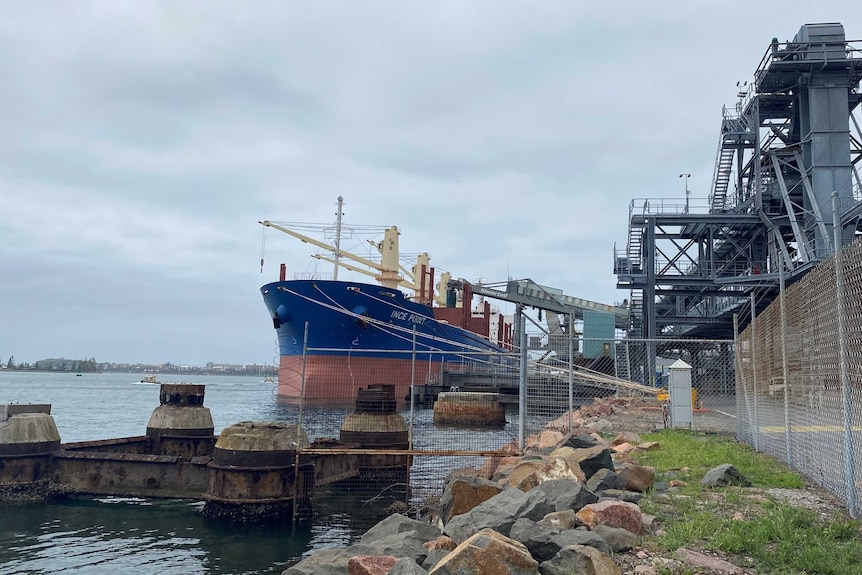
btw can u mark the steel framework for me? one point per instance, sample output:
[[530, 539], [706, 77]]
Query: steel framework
[[791, 140]]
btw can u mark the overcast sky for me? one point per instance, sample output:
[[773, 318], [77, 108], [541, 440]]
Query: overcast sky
[[142, 142]]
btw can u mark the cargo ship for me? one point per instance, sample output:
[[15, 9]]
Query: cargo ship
[[344, 335]]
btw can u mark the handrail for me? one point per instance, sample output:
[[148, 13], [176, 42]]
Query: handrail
[[787, 51]]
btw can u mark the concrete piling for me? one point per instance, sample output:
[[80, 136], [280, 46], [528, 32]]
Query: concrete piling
[[253, 477], [181, 425], [376, 425], [469, 408], [28, 437]]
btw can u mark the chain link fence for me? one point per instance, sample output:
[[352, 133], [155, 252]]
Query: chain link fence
[[799, 366], [416, 416]]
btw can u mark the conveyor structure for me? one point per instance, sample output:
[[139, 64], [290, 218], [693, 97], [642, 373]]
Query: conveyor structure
[[792, 139]]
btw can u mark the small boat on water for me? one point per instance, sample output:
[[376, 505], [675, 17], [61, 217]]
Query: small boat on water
[[150, 379]]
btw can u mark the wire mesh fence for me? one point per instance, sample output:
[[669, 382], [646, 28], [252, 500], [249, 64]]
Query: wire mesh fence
[[800, 370], [416, 415]]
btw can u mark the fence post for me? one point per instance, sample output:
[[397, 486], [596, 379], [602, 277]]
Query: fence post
[[412, 391], [522, 383], [756, 435], [788, 432], [299, 423], [571, 371], [849, 466]]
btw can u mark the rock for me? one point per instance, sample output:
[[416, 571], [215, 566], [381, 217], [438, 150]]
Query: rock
[[370, 564], [623, 448], [566, 519], [576, 559], [613, 513], [499, 513], [579, 441], [443, 542], [399, 524], [563, 494], [631, 477], [400, 536], [599, 425], [463, 494], [591, 459], [724, 475], [580, 537], [405, 566], [326, 562], [604, 409], [529, 474], [601, 480], [647, 522], [618, 539], [648, 446], [626, 437], [488, 552], [434, 558], [701, 561], [561, 424], [645, 570], [535, 537], [545, 542], [620, 495], [549, 438], [570, 454], [505, 467]]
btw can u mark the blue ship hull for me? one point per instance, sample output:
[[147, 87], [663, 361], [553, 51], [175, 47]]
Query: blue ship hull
[[358, 334]]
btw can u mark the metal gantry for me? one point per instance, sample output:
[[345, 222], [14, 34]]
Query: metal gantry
[[791, 140]]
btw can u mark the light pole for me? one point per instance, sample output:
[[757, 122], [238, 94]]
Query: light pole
[[686, 176]]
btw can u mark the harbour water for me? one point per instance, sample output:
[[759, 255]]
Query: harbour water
[[119, 535]]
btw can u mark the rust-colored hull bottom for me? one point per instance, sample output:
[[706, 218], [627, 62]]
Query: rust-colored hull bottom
[[335, 379]]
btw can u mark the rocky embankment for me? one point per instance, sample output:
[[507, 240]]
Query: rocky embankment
[[564, 508]]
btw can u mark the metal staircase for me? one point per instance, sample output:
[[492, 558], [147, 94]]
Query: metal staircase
[[734, 136], [721, 177]]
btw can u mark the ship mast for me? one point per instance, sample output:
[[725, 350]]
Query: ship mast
[[337, 238]]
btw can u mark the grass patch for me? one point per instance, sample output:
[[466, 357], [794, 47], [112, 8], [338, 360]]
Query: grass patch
[[770, 537], [701, 452]]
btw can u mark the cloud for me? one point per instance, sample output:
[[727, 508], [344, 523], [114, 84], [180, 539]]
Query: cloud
[[143, 142]]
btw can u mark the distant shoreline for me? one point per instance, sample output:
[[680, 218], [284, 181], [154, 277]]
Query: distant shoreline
[[201, 372]]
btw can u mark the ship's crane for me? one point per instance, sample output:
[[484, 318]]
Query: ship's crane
[[420, 279]]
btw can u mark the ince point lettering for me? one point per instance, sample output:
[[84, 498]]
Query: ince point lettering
[[407, 316]]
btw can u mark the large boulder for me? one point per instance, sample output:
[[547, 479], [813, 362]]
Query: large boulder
[[566, 519], [613, 513], [601, 480], [325, 562], [370, 564], [398, 536], [591, 459], [579, 441], [499, 513], [464, 493], [488, 552], [544, 542], [530, 473], [580, 560], [724, 475], [406, 566], [617, 538], [631, 477], [580, 537], [397, 524], [563, 494], [626, 437], [535, 537]]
